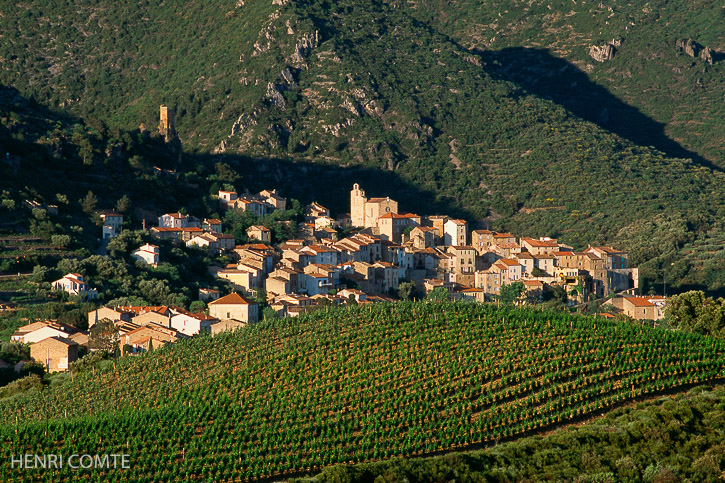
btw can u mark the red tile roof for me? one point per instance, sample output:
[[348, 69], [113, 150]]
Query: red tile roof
[[639, 302], [231, 299]]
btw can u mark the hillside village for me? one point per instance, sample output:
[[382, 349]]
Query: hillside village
[[385, 248]]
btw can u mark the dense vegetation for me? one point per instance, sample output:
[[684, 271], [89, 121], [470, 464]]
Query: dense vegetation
[[670, 439], [351, 386], [455, 110], [694, 312]]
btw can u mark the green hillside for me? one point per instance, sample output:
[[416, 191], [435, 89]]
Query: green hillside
[[505, 132], [349, 386], [651, 91]]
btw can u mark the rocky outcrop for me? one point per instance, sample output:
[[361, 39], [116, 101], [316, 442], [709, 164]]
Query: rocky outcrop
[[696, 50], [706, 54], [304, 46], [241, 124], [275, 95], [602, 53], [605, 52], [688, 46]]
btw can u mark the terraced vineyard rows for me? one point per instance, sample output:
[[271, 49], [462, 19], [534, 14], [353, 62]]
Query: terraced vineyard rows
[[348, 386]]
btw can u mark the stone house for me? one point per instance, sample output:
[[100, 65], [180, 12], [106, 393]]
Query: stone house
[[37, 331], [526, 260], [470, 294], [437, 222], [322, 254], [500, 238], [206, 294], [423, 236], [273, 198], [112, 314], [212, 225], [244, 278], [226, 325], [234, 306], [489, 280], [173, 220], [277, 286], [542, 246], [387, 276], [315, 210], [55, 353], [510, 270], [638, 308], [455, 232], [567, 259], [226, 241], [545, 262], [205, 240], [226, 197], [157, 315], [392, 226], [462, 264], [190, 324], [613, 259], [482, 240], [149, 337], [316, 283], [323, 222], [260, 233]]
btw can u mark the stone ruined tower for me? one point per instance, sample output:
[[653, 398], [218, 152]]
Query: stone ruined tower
[[357, 206], [166, 124]]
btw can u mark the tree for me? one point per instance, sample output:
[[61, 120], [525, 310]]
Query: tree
[[511, 293], [61, 241], [407, 290], [89, 203], [14, 352], [104, 336], [537, 272], [226, 174], [261, 297], [694, 312], [76, 317], [197, 306], [40, 274], [123, 204]]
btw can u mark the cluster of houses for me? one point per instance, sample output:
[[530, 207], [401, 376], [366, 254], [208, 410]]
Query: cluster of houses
[[136, 329], [206, 233], [392, 246], [387, 247]]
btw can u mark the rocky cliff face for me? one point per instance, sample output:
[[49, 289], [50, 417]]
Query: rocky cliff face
[[694, 49]]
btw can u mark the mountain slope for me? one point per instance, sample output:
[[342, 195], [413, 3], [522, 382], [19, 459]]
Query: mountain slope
[[383, 86], [653, 91], [351, 385]]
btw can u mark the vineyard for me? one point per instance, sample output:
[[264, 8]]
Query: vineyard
[[350, 385]]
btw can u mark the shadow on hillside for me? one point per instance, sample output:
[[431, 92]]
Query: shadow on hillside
[[162, 190], [329, 184], [553, 78]]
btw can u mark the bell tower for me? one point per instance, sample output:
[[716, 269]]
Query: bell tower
[[357, 205]]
